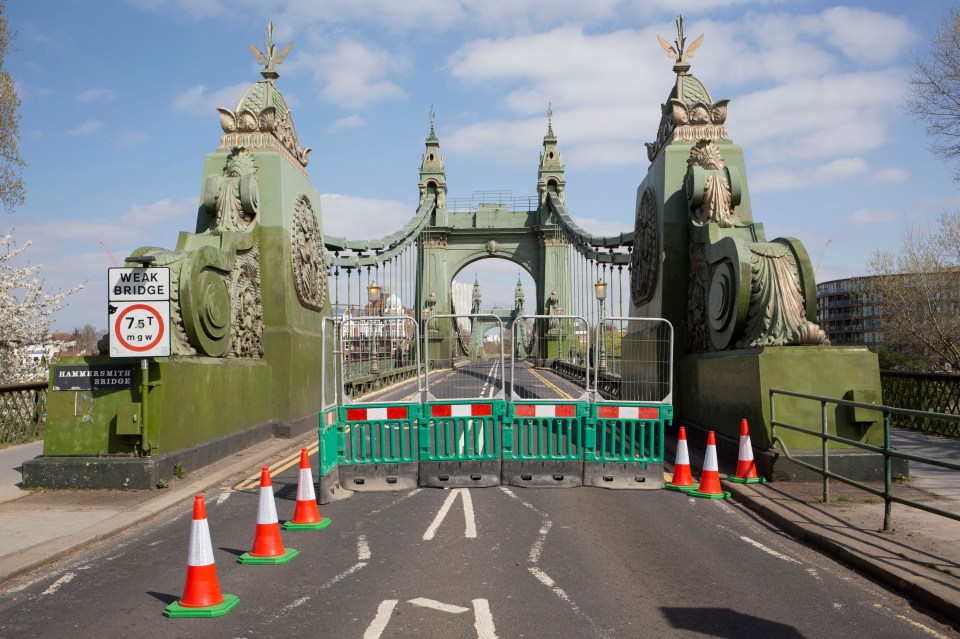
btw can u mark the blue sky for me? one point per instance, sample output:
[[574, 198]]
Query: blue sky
[[119, 102]]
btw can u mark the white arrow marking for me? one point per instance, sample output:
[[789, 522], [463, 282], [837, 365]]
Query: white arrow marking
[[470, 526], [438, 605]]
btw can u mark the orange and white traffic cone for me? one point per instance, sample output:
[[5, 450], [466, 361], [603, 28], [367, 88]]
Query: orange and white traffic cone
[[267, 544], [709, 487], [201, 592], [746, 468], [307, 515], [682, 480]]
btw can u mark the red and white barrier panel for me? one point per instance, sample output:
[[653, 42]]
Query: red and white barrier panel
[[628, 412], [545, 410], [330, 418], [374, 414], [461, 410]]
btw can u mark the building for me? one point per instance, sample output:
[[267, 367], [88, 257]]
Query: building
[[847, 313]]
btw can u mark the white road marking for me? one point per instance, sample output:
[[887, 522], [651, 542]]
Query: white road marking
[[346, 573], [483, 620], [363, 548], [813, 573], [769, 551], [379, 623], [297, 602], [470, 525], [438, 605], [547, 581], [222, 497], [537, 548], [395, 502], [62, 581]]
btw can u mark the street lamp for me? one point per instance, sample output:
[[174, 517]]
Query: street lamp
[[601, 291], [374, 291]]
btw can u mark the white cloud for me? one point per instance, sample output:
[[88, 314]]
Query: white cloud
[[349, 122], [783, 179], [873, 216], [867, 36], [198, 100], [86, 128], [354, 74], [358, 218], [890, 176], [99, 94]]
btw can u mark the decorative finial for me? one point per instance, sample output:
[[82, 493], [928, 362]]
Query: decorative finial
[[433, 133], [681, 53], [550, 119], [269, 58]]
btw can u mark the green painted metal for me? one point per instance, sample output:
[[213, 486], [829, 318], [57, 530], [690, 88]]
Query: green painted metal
[[378, 433], [461, 430], [558, 437], [620, 439]]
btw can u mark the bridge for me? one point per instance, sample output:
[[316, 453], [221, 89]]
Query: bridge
[[691, 317]]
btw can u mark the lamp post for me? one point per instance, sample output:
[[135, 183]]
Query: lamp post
[[374, 292], [601, 291]]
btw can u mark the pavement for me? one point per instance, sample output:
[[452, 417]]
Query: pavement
[[920, 557]]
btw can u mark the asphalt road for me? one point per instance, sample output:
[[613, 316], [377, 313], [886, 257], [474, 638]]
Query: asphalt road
[[482, 563], [485, 378]]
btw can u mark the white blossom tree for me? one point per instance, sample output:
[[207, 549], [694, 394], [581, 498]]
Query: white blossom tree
[[25, 311]]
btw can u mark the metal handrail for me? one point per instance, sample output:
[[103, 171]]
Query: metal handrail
[[886, 450]]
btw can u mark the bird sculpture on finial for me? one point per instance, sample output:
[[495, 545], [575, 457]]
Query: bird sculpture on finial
[[269, 58], [681, 53]]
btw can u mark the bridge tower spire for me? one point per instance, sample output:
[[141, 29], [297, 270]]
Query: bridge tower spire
[[550, 175], [433, 175]]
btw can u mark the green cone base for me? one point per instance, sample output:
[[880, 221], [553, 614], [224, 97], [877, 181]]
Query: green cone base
[[748, 480], [247, 558], [680, 489], [320, 525], [720, 495], [176, 611]]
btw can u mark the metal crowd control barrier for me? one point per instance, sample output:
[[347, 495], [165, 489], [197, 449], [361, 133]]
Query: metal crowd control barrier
[[459, 435], [377, 432], [543, 429], [329, 434], [624, 434]]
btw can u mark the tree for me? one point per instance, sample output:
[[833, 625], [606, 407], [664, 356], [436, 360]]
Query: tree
[[918, 285], [25, 312], [86, 337], [11, 164]]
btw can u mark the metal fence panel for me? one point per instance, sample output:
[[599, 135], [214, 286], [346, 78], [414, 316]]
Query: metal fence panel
[[376, 353], [633, 360], [464, 357], [23, 411], [933, 392], [550, 358]]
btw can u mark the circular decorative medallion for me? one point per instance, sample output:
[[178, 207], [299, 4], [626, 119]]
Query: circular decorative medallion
[[309, 260], [645, 262], [492, 246]]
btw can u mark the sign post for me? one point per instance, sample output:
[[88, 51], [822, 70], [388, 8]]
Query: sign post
[[139, 322]]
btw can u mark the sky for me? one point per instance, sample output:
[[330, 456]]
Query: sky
[[119, 103]]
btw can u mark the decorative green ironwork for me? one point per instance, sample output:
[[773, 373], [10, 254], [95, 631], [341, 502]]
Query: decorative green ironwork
[[23, 411], [934, 392]]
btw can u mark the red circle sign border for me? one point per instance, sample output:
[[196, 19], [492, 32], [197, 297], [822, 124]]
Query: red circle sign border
[[152, 311]]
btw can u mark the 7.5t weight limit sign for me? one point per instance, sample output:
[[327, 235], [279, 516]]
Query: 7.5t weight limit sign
[[139, 312]]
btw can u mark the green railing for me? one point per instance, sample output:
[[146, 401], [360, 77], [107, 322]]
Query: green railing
[[23, 411], [933, 392], [886, 450]]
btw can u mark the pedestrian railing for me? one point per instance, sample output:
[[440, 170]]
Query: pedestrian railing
[[23, 411], [937, 392], [886, 450]]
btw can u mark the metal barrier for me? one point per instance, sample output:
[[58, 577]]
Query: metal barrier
[[936, 392], [459, 437], [376, 439], [557, 345], [886, 450], [624, 434]]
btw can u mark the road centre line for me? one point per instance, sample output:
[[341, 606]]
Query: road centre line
[[62, 581], [564, 395], [363, 548], [470, 525], [379, 623]]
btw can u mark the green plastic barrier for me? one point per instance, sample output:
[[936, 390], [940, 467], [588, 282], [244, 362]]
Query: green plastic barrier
[[379, 446], [623, 445], [543, 443], [459, 443]]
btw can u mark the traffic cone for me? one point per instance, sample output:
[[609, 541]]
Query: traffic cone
[[201, 593], [709, 487], [267, 544], [682, 479], [307, 515], [746, 468]]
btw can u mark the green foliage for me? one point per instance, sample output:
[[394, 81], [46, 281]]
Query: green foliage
[[163, 483], [179, 472], [894, 361]]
